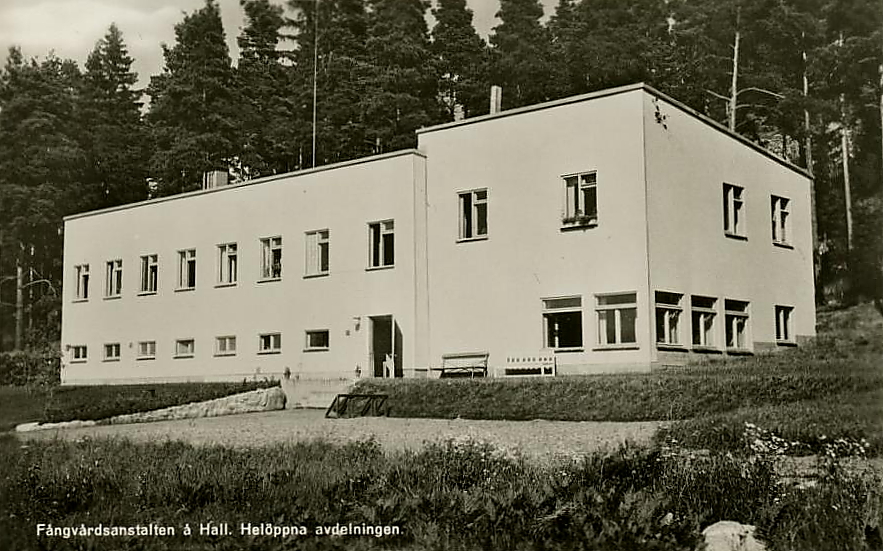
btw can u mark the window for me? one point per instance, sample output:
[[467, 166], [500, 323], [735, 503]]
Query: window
[[783, 324], [780, 219], [317, 340], [187, 269], [146, 350], [79, 353], [112, 352], [702, 318], [733, 224], [270, 343], [82, 283], [318, 249], [227, 262], [149, 269], [113, 283], [381, 243], [271, 258], [225, 346], [668, 314], [736, 317], [563, 323], [184, 348], [473, 214], [617, 315], [581, 199]]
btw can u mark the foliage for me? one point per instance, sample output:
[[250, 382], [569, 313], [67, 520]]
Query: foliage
[[460, 60], [32, 369], [521, 49]]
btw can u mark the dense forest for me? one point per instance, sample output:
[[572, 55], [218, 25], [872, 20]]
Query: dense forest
[[803, 78]]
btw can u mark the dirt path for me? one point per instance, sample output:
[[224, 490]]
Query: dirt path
[[537, 439]]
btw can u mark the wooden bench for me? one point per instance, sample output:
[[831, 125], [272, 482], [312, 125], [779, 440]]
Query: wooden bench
[[464, 364], [358, 405], [541, 364]]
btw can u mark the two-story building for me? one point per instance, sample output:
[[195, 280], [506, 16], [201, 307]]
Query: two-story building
[[617, 230]]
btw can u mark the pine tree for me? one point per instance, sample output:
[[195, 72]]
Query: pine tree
[[521, 53], [461, 58], [192, 110]]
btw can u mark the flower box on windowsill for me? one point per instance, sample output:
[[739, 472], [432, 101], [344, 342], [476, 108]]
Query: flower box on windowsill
[[579, 221]]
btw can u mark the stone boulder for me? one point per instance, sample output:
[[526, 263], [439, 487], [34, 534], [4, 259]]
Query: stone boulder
[[267, 399], [728, 535]]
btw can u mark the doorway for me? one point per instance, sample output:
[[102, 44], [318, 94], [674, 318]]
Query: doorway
[[385, 347]]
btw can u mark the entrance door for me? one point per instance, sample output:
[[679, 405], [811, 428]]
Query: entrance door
[[386, 347]]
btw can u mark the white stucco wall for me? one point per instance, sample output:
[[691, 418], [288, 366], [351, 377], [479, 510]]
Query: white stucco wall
[[487, 295], [342, 199], [688, 161]]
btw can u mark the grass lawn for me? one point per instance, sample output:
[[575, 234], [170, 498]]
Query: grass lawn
[[832, 388]]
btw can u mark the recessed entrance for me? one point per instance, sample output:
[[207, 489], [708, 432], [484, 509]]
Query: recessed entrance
[[385, 350]]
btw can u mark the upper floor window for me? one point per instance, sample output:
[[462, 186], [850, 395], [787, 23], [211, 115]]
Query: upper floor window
[[271, 257], [581, 199], [187, 269], [149, 273], [563, 323], [668, 315], [318, 248], [734, 225], [270, 343], [780, 219], [82, 283], [473, 214], [783, 324], [381, 243], [702, 315], [113, 284], [736, 318], [227, 264], [617, 317]]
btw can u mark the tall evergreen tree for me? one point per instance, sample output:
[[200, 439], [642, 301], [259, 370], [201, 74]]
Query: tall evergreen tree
[[522, 49], [461, 58], [113, 136], [192, 110]]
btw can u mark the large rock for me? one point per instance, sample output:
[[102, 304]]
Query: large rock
[[728, 535], [267, 399]]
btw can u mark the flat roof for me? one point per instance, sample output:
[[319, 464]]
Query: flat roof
[[611, 92], [264, 180]]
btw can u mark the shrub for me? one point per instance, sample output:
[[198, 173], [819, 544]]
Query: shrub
[[32, 369]]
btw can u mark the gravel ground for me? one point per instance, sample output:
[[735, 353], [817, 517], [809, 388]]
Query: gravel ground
[[535, 439]]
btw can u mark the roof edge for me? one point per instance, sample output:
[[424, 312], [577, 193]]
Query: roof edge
[[264, 180]]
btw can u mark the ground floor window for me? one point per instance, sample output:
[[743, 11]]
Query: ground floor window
[[146, 350], [112, 352], [317, 339], [270, 343], [563, 323], [225, 346], [668, 315], [783, 324], [736, 312], [702, 314], [185, 348], [617, 318], [79, 353]]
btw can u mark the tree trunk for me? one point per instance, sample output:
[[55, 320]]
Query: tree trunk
[[734, 87], [19, 301]]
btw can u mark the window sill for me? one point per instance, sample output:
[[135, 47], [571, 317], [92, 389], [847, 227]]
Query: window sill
[[146, 293], [80, 300], [783, 245], [568, 350], [113, 297], [616, 347], [184, 289], [670, 346], [314, 276], [739, 352], [377, 268], [182, 356], [707, 350], [579, 226], [268, 352], [270, 279], [316, 349], [78, 361], [145, 358], [110, 360], [225, 285], [471, 239], [791, 344], [736, 236], [224, 354]]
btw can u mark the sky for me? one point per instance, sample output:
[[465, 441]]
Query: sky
[[71, 28]]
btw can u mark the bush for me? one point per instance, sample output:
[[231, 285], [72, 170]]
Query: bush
[[38, 369]]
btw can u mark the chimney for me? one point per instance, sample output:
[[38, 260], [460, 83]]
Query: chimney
[[214, 178], [496, 99]]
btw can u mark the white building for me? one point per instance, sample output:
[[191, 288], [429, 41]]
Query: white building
[[617, 230]]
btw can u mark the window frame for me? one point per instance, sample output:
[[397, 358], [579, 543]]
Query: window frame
[[313, 258], [704, 312], [307, 345], [732, 317], [81, 286], [380, 254], [784, 315], [672, 310], [112, 347], [185, 354], [141, 355], [619, 344], [734, 211], [269, 269], [113, 279], [274, 341], [186, 269], [549, 313], [226, 349], [470, 214], [575, 213], [79, 353], [228, 273], [149, 274], [780, 220]]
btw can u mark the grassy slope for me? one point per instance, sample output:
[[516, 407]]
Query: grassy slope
[[831, 388]]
